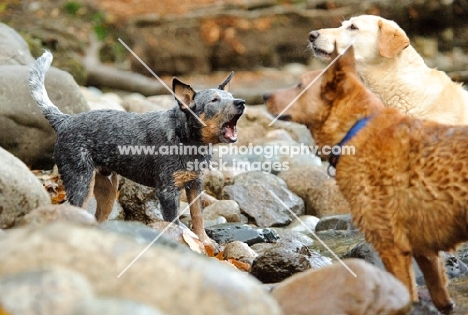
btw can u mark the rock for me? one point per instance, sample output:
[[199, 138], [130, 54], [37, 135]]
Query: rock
[[257, 195], [24, 131], [52, 291], [20, 190], [254, 127], [117, 212], [285, 259], [141, 234], [227, 233], [454, 267], [159, 278], [64, 212], [260, 248], [216, 221], [13, 48], [228, 209], [320, 193], [304, 224], [289, 235], [317, 291], [213, 182], [239, 251], [139, 202], [113, 307], [335, 222]]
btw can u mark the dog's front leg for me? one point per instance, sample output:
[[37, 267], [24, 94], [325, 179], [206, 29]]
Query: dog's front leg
[[193, 190], [169, 199]]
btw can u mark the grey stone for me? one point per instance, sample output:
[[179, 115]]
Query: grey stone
[[227, 233], [335, 290], [285, 259], [335, 222], [139, 202], [52, 291], [13, 48], [257, 195], [20, 190], [228, 209], [64, 212], [24, 131], [113, 307], [172, 281]]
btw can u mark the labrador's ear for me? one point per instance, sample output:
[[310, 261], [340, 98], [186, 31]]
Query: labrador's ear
[[184, 94], [392, 39]]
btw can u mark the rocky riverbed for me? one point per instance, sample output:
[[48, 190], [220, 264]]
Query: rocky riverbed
[[286, 234]]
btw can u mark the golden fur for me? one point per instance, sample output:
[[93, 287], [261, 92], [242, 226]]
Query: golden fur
[[392, 69], [407, 184]]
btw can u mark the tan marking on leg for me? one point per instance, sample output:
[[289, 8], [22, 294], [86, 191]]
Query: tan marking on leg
[[90, 190], [196, 214], [435, 277], [210, 133], [183, 177], [105, 191]]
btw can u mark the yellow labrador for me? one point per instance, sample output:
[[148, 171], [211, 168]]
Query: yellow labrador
[[392, 69]]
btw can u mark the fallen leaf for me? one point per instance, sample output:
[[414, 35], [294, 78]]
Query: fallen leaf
[[193, 242]]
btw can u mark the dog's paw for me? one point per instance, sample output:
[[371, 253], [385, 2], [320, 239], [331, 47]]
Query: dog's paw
[[212, 248], [446, 309]]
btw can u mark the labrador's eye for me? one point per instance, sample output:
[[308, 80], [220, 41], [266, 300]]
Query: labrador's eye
[[299, 85], [352, 27]]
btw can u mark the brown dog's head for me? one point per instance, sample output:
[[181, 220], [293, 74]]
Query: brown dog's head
[[297, 111], [343, 100]]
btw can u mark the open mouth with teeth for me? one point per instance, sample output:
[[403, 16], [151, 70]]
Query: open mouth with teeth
[[229, 129], [320, 53]]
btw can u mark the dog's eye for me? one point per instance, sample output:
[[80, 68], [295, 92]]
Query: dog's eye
[[352, 27], [299, 85], [215, 100]]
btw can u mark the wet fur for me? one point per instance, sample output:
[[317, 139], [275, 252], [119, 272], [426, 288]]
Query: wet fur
[[87, 155], [407, 184]]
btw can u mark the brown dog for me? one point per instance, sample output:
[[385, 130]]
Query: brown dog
[[280, 99], [407, 183]]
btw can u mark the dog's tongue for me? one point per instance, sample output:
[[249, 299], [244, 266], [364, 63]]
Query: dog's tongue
[[230, 133]]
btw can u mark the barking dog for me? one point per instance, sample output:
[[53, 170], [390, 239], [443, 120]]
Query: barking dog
[[407, 183], [87, 148], [392, 69]]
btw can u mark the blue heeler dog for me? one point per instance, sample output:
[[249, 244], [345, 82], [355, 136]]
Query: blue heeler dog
[[88, 159]]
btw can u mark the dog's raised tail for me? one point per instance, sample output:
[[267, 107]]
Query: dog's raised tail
[[39, 93]]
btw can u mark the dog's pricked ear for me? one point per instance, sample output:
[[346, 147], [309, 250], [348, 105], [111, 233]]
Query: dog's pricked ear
[[184, 94], [222, 86], [392, 40]]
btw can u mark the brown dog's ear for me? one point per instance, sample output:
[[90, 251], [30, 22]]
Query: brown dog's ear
[[392, 40], [184, 94], [343, 65]]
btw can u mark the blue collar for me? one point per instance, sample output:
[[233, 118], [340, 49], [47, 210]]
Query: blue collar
[[361, 123]]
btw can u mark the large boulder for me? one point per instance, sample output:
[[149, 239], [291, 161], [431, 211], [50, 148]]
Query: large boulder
[[13, 48], [20, 190], [335, 290], [173, 281], [320, 193], [24, 131]]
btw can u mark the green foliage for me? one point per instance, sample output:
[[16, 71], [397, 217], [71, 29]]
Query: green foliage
[[72, 7], [100, 27]]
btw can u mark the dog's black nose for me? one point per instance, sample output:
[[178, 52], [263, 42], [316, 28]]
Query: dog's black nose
[[239, 103], [313, 36], [266, 96]]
